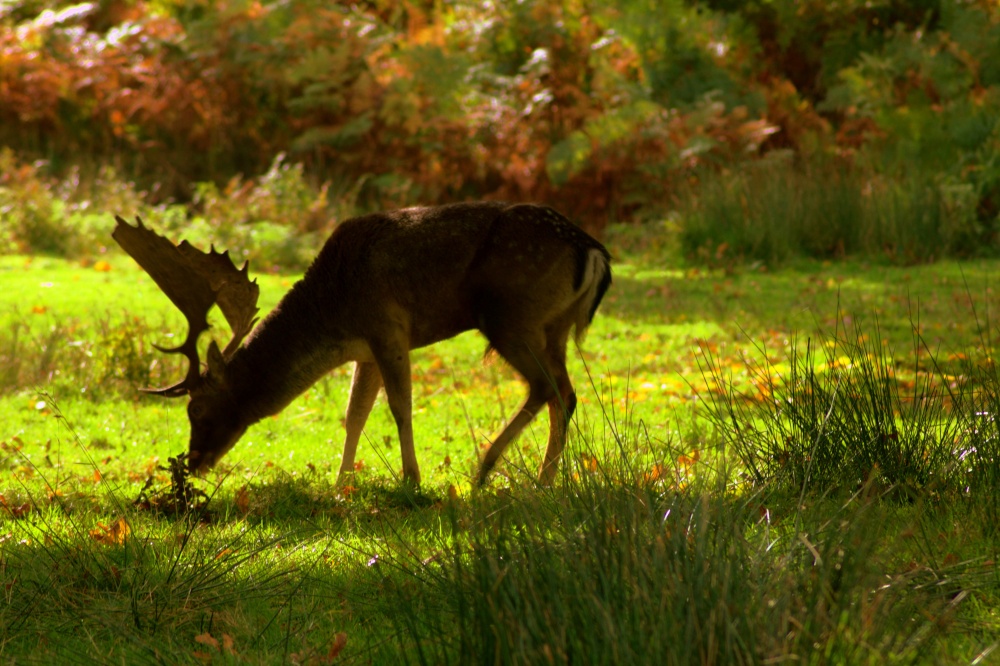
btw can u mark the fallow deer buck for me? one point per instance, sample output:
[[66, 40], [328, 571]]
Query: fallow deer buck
[[384, 284]]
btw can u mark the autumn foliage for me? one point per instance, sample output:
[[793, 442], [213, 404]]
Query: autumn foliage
[[606, 108]]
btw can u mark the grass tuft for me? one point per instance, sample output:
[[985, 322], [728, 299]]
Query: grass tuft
[[774, 211]]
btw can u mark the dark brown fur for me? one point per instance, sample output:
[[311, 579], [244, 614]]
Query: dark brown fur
[[387, 283]]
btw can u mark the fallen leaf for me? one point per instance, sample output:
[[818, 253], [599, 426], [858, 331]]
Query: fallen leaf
[[112, 535], [338, 645], [655, 474], [102, 267], [20, 511], [688, 461], [243, 500], [207, 639]]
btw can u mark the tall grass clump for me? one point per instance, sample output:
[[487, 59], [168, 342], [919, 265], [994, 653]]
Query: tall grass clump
[[617, 565], [978, 449], [841, 415], [772, 211]]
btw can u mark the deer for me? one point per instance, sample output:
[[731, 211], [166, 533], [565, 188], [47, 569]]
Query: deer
[[382, 285]]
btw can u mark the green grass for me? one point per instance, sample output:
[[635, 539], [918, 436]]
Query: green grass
[[774, 211], [671, 536]]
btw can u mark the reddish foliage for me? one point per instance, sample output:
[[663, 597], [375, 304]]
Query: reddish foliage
[[428, 102]]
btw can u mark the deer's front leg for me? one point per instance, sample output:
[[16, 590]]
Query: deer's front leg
[[364, 389], [394, 363]]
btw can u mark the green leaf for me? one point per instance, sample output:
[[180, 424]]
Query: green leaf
[[343, 136], [568, 157]]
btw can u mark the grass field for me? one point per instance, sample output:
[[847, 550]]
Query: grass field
[[694, 521]]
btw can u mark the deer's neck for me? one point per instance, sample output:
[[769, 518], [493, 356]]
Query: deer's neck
[[288, 351]]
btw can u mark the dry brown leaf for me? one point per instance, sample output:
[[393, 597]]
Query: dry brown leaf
[[20, 511], [243, 500], [337, 646], [207, 639]]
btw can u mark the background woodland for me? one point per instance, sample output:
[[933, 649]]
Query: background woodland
[[609, 110]]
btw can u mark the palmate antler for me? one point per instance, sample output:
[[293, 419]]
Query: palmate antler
[[194, 281]]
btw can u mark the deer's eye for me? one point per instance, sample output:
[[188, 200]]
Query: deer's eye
[[196, 410]]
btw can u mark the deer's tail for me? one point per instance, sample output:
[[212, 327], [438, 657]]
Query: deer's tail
[[594, 282]]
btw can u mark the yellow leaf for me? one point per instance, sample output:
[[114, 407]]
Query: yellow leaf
[[656, 473], [102, 267], [113, 535]]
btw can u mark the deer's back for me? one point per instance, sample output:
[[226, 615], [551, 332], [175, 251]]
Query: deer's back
[[441, 265]]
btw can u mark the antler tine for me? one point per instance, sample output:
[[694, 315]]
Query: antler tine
[[235, 293], [190, 349]]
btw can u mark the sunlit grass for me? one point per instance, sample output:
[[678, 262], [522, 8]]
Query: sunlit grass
[[283, 565]]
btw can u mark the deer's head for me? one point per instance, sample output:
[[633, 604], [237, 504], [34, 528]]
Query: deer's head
[[194, 281]]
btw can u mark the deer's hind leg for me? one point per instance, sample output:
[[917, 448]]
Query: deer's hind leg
[[540, 359], [561, 405], [365, 384]]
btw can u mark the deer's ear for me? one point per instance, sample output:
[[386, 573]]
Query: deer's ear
[[216, 363]]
